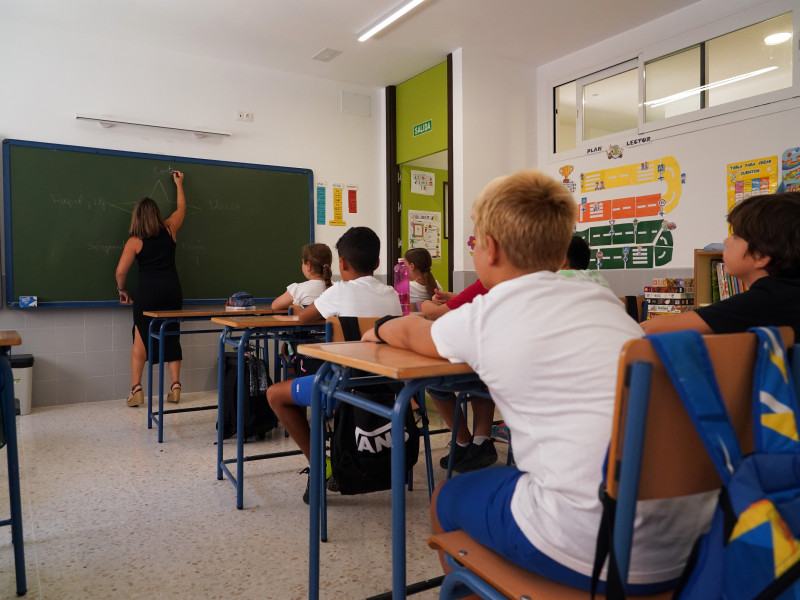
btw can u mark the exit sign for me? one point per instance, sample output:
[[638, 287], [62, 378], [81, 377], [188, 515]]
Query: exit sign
[[423, 127]]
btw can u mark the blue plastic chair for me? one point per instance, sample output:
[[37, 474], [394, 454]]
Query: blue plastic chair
[[654, 453]]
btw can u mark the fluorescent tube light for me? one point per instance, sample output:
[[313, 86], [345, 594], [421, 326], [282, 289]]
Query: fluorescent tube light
[[385, 22], [702, 88]]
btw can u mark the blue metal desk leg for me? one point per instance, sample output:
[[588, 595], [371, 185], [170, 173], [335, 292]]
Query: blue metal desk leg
[[15, 502], [398, 491], [240, 419], [161, 331], [150, 374], [220, 393], [315, 490]]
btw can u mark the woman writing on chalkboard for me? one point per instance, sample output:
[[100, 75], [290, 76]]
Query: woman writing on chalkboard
[[152, 245]]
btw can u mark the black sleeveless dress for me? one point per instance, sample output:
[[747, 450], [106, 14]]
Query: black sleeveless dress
[[159, 289]]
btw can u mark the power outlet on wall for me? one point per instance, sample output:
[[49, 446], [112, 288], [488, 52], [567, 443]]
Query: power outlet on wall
[[244, 115]]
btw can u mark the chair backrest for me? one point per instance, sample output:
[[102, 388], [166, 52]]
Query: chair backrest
[[674, 461], [639, 300], [336, 332]]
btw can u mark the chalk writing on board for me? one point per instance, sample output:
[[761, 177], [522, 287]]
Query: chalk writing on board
[[103, 248], [216, 204], [158, 172], [97, 203]]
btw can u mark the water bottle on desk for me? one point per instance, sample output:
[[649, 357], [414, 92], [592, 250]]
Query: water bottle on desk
[[401, 285]]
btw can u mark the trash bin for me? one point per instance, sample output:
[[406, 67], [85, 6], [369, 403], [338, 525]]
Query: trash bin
[[22, 370]]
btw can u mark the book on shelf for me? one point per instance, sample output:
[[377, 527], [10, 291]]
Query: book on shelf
[[664, 289], [714, 279], [727, 285]]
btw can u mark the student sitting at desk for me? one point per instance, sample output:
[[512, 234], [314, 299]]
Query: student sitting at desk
[[316, 266], [548, 348], [359, 294], [577, 263], [473, 450], [764, 252], [421, 282]]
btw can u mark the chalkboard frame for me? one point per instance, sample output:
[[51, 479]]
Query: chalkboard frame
[[10, 297]]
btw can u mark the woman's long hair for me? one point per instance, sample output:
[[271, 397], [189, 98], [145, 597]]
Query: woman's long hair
[[422, 261], [146, 219], [319, 256]]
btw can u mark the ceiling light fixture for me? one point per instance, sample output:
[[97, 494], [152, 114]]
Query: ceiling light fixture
[[388, 20], [777, 38], [702, 88], [326, 54]]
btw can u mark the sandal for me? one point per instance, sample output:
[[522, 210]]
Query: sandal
[[174, 392], [136, 396]]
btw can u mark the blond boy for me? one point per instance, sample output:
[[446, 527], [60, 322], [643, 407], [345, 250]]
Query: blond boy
[[547, 347]]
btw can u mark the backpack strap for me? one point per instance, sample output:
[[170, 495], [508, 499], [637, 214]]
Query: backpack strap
[[350, 329], [685, 358], [775, 409]]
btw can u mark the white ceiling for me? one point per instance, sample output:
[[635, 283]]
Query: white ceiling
[[285, 34]]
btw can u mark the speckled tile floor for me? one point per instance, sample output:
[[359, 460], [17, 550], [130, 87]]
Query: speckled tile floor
[[108, 512]]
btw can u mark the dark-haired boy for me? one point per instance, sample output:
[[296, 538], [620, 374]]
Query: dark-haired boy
[[359, 294], [764, 253]]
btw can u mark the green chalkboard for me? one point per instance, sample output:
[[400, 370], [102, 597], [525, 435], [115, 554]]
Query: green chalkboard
[[68, 209]]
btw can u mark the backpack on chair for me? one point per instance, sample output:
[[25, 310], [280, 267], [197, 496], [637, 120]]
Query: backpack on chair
[[753, 547]]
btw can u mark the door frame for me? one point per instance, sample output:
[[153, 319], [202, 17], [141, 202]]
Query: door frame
[[393, 206]]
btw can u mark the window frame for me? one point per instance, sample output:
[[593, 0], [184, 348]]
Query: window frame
[[717, 29], [729, 112]]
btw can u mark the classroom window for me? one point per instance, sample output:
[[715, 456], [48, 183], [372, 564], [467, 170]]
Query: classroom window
[[595, 106], [735, 66], [738, 64], [565, 116], [610, 105]]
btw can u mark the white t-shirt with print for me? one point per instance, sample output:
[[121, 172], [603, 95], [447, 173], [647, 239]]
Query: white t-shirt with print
[[418, 292], [586, 275], [548, 348], [362, 297], [305, 292]]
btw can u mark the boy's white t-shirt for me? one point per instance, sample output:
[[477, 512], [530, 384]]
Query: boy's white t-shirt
[[418, 292], [362, 297], [305, 292], [548, 349], [587, 275]]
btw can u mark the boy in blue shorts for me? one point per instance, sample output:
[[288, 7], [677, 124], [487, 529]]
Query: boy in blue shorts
[[547, 347], [359, 294]]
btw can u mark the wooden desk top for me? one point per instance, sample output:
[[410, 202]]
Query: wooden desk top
[[384, 360], [208, 311], [243, 322], [10, 338]]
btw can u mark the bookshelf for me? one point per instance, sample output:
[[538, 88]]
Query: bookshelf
[[702, 275]]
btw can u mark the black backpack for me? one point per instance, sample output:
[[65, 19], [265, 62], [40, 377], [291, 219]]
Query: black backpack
[[361, 447], [258, 416]]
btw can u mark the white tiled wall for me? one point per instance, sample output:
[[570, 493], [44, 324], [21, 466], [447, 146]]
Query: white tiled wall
[[83, 355]]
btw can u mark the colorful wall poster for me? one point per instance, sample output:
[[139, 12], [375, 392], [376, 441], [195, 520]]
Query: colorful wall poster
[[630, 231], [352, 202], [425, 231], [790, 170], [338, 217], [320, 203], [752, 177], [423, 182]]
